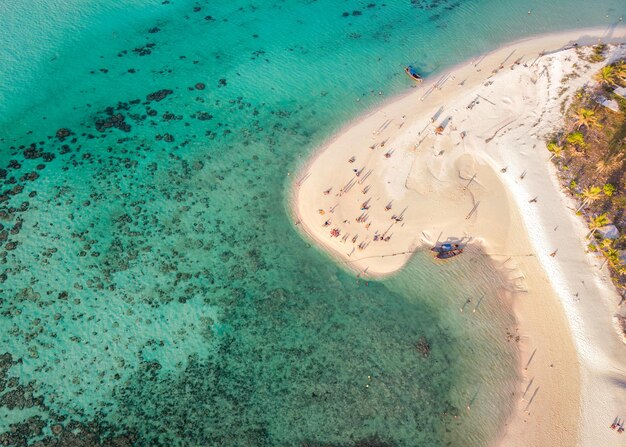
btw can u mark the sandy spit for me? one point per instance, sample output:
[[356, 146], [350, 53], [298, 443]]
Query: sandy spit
[[462, 159]]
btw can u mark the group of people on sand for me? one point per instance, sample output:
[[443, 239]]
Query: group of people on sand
[[381, 238], [336, 232], [618, 424], [365, 206]]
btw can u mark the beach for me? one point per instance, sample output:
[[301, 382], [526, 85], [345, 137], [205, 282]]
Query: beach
[[462, 160]]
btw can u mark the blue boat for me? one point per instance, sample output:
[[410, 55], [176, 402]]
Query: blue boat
[[445, 251], [449, 253], [412, 72]]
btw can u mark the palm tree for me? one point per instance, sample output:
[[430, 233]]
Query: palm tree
[[557, 151], [606, 244], [585, 117], [597, 222], [607, 76], [605, 247], [613, 257], [603, 165], [608, 163], [589, 195]]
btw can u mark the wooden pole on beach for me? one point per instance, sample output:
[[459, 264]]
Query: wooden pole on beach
[[470, 182], [473, 211]]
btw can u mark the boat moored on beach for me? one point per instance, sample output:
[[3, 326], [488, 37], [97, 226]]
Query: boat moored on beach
[[446, 251], [449, 254]]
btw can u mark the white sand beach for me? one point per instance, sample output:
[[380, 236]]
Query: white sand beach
[[390, 184]]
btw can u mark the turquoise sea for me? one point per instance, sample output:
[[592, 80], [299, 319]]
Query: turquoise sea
[[153, 288]]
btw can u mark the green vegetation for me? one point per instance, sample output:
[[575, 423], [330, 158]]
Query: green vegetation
[[608, 189], [598, 53], [577, 140], [611, 75], [589, 195], [590, 155], [607, 76], [585, 118], [557, 151], [598, 222]]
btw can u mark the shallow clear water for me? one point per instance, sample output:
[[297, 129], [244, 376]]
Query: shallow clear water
[[158, 289]]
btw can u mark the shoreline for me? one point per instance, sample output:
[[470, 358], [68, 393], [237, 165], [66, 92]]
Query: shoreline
[[467, 165]]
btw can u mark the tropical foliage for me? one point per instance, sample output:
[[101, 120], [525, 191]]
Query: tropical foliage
[[590, 155], [557, 151], [585, 117], [576, 139], [597, 222], [589, 195], [608, 189], [607, 76]]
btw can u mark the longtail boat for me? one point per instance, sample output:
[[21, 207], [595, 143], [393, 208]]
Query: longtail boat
[[446, 251], [412, 72], [449, 253]]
